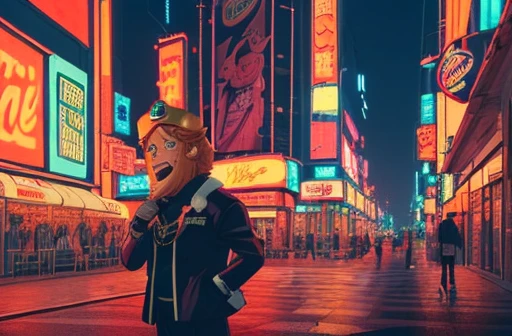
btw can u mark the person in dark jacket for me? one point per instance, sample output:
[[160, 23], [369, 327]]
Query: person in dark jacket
[[449, 238], [310, 245], [191, 288], [378, 251]]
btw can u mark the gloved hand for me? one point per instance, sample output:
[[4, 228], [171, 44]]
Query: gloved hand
[[144, 215]]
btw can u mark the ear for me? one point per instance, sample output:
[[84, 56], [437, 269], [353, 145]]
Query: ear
[[192, 153]]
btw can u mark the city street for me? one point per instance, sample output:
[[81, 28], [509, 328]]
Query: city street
[[292, 297]]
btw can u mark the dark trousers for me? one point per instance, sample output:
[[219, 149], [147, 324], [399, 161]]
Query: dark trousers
[[166, 326], [447, 262], [312, 249]]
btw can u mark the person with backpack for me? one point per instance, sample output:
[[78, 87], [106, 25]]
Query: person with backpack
[[449, 238]]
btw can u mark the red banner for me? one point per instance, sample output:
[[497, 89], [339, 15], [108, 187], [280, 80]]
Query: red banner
[[325, 42], [122, 159], [105, 149], [172, 70]]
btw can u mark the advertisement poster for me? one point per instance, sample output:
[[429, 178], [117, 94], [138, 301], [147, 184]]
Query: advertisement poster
[[122, 159], [426, 139], [172, 80], [133, 186], [122, 114], [73, 16], [324, 120], [243, 74], [68, 118], [105, 155], [321, 190], [460, 64], [21, 102], [428, 109], [325, 42]]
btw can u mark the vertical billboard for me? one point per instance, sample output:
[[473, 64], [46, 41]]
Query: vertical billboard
[[243, 73], [349, 160], [324, 80], [172, 80], [73, 16], [324, 119], [426, 140], [122, 114], [21, 102], [67, 118], [428, 109]]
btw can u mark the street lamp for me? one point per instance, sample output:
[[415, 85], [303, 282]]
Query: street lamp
[[292, 29]]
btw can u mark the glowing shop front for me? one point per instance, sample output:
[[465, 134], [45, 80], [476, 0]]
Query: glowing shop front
[[332, 210], [46, 227], [268, 185]]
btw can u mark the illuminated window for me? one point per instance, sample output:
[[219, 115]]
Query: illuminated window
[[490, 13]]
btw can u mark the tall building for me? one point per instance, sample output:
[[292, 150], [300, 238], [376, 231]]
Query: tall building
[[57, 107]]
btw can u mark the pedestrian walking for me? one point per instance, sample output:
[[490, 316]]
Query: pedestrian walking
[[310, 245], [449, 238], [378, 251]]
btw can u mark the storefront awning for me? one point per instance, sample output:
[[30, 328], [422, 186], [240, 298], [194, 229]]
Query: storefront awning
[[44, 192], [480, 120]]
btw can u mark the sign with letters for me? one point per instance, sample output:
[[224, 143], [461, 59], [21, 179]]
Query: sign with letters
[[122, 114], [68, 118], [21, 102], [251, 172], [321, 191]]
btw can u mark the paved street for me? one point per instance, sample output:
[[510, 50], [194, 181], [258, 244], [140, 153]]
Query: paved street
[[297, 297]]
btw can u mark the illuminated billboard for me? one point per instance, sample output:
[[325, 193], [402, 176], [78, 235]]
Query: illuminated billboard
[[322, 191], [323, 145], [122, 106], [325, 42], [325, 103], [67, 118], [426, 142], [73, 16], [292, 176], [349, 160], [21, 102], [172, 56], [252, 172], [243, 75], [136, 186], [428, 109]]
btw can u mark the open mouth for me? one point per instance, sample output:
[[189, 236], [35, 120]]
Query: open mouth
[[162, 170]]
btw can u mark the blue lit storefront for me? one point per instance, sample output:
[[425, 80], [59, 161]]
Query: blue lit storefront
[[268, 184]]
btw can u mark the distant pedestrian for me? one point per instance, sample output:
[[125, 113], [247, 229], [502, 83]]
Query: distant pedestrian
[[310, 245], [378, 251], [449, 238]]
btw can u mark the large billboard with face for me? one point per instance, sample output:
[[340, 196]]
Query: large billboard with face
[[67, 118], [21, 102], [243, 68]]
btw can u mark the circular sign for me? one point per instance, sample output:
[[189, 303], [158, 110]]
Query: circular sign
[[235, 11]]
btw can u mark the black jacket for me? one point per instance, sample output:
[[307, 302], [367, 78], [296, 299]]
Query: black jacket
[[184, 270], [449, 233]]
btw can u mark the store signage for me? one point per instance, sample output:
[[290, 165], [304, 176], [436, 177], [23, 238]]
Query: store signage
[[122, 159], [251, 172], [360, 201], [122, 114], [132, 186], [68, 118], [321, 190], [325, 172], [21, 102], [172, 70], [447, 187], [292, 176], [428, 112], [308, 208], [105, 145], [429, 206], [426, 140], [112, 207], [271, 198], [2, 189], [460, 64], [431, 192]]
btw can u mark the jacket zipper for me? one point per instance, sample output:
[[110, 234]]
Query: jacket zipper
[[174, 291], [152, 290]]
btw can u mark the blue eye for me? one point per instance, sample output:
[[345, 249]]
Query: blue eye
[[152, 150], [170, 145]]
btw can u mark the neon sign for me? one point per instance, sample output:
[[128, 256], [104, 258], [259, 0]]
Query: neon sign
[[132, 186], [428, 112], [292, 176], [68, 115], [172, 74], [121, 114], [321, 190], [325, 172]]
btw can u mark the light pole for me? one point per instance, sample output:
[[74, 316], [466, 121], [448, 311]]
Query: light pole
[[292, 31], [201, 6]]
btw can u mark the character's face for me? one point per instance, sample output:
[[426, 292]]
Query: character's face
[[164, 153], [248, 70]]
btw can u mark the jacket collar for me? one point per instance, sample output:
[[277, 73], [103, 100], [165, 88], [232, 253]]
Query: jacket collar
[[199, 201]]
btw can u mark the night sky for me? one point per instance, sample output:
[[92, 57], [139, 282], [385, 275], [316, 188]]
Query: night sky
[[387, 38]]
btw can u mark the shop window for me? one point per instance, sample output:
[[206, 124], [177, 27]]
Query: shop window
[[496, 228]]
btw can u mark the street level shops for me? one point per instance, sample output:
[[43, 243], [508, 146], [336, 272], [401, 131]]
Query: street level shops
[[480, 161]]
